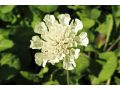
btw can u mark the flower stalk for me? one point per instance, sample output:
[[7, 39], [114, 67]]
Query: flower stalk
[[68, 83]]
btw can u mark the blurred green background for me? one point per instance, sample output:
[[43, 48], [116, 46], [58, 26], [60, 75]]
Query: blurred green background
[[99, 63]]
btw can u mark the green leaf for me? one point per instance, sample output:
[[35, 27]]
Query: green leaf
[[116, 15], [108, 68], [6, 8], [118, 67], [36, 15], [51, 83], [10, 60], [42, 72], [10, 65], [81, 63], [47, 8], [117, 51], [36, 19], [90, 48], [95, 14], [91, 36], [117, 80], [5, 43], [88, 23], [30, 76], [6, 14], [106, 28], [4, 33], [110, 25], [8, 17], [116, 11], [86, 12], [117, 22], [75, 7]]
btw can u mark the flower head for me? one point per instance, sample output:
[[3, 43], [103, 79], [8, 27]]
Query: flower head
[[58, 40]]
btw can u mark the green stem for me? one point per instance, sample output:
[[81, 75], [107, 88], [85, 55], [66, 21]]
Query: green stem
[[116, 41], [68, 83], [108, 81]]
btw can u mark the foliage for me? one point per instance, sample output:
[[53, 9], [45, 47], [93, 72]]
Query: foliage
[[99, 63]]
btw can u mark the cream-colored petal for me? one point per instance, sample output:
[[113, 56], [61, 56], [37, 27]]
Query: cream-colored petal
[[44, 63], [40, 59], [77, 51], [62, 56], [36, 43], [40, 28], [76, 25], [64, 19], [50, 21], [75, 44], [69, 63], [83, 39], [56, 60]]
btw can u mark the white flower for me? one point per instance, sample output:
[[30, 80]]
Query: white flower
[[58, 40]]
